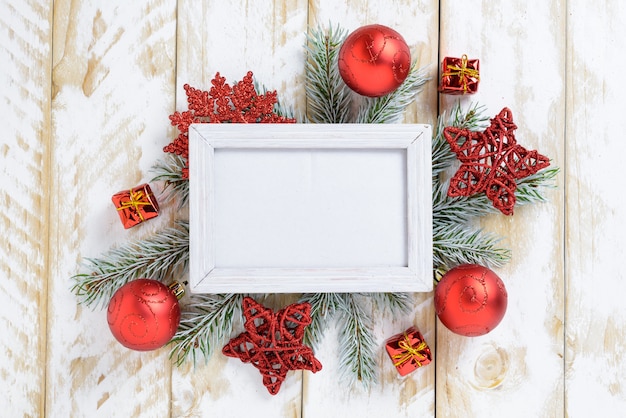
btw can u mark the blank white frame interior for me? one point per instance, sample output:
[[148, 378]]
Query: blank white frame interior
[[292, 208]]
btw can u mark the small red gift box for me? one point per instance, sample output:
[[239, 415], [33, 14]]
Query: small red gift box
[[408, 351], [459, 75], [136, 205]]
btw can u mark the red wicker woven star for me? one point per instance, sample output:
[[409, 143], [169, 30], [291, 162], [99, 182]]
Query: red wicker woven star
[[222, 104], [491, 161], [272, 342]]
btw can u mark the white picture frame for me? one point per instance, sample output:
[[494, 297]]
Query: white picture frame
[[293, 208]]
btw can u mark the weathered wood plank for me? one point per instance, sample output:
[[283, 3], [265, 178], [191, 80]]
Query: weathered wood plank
[[324, 394], [518, 366], [25, 52], [113, 76], [595, 211], [233, 38]]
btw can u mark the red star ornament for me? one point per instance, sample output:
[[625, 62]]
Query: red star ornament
[[272, 342], [491, 161]]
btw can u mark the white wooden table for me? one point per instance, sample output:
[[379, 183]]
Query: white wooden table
[[86, 90]]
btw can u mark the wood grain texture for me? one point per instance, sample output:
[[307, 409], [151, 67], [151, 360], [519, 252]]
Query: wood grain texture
[[517, 369], [86, 91], [596, 317], [325, 394], [232, 38], [113, 75], [25, 31]]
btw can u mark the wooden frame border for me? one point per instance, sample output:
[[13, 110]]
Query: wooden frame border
[[206, 278]]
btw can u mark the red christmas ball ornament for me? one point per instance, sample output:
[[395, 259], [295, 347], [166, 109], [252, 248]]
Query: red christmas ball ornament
[[470, 300], [374, 60], [144, 314]]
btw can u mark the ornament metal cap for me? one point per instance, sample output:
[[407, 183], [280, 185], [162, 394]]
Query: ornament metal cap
[[178, 289]]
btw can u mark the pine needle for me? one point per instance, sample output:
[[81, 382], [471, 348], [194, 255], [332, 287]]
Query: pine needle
[[529, 189], [206, 321], [328, 97], [455, 244], [390, 108], [356, 343], [157, 257], [323, 308], [396, 303], [169, 170]]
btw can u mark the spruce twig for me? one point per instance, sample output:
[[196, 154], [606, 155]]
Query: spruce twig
[[529, 188], [356, 343], [390, 108], [169, 170], [397, 303], [323, 309], [206, 321], [156, 257], [328, 97], [455, 244]]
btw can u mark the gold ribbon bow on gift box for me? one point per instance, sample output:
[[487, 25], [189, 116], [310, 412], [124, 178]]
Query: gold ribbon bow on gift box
[[136, 200], [410, 352], [462, 72]]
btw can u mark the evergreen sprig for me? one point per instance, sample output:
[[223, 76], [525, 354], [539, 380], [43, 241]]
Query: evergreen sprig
[[357, 358], [206, 321], [328, 97], [159, 257], [397, 303], [169, 170], [323, 309], [390, 108], [455, 244]]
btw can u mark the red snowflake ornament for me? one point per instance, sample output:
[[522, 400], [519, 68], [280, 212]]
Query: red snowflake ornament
[[491, 161], [272, 342], [222, 104]]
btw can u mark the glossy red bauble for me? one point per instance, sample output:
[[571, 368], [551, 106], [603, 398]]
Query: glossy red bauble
[[374, 60], [143, 314], [470, 300]]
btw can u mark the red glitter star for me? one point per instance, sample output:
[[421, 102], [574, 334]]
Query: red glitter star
[[491, 161], [272, 342], [222, 104]]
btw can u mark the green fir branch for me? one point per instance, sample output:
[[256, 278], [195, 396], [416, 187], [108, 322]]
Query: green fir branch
[[169, 170], [390, 107], [357, 359], [206, 321], [397, 303], [328, 97], [455, 244], [157, 257], [529, 189], [323, 308]]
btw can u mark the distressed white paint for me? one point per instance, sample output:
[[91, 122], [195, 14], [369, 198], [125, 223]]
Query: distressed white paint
[[113, 78], [25, 34], [115, 71], [517, 368], [595, 316]]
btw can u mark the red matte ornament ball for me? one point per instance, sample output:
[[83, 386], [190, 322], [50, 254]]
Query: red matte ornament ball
[[374, 60], [470, 300], [143, 314]]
